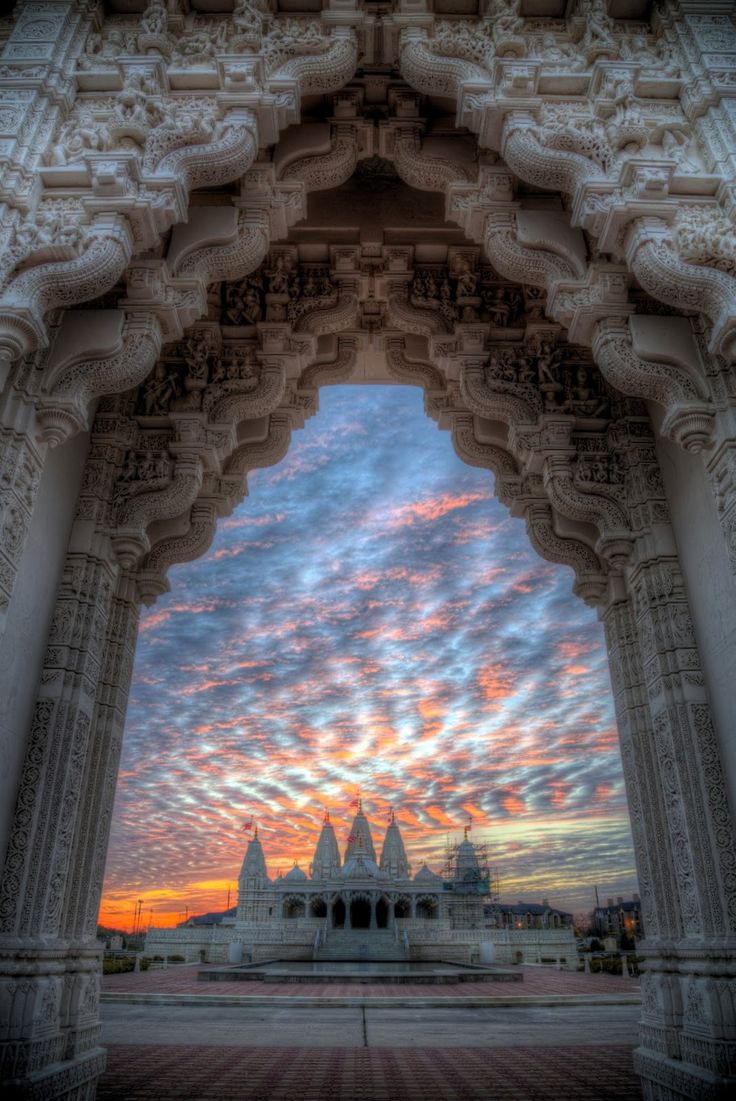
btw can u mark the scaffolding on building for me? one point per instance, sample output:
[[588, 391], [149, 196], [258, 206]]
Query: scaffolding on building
[[484, 882], [471, 887]]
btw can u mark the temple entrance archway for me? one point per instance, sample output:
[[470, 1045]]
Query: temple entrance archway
[[402, 909], [626, 482], [318, 908], [338, 914], [360, 913]]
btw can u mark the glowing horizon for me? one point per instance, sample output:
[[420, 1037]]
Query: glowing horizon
[[370, 617]]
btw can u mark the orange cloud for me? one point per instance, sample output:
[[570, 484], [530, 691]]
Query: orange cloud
[[432, 509]]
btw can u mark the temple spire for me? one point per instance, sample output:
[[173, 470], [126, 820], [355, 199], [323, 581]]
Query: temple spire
[[360, 839], [393, 853], [253, 872], [326, 861]]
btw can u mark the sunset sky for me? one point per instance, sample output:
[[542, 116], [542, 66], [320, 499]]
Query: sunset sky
[[369, 618]]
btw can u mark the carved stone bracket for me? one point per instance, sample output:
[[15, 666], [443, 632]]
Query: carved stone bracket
[[322, 171], [129, 535], [72, 385], [106, 248], [420, 170], [415, 372], [683, 394], [434, 72], [590, 504], [268, 452], [591, 579], [489, 456], [534, 262], [324, 372], [151, 578], [690, 287], [245, 239], [541, 164]]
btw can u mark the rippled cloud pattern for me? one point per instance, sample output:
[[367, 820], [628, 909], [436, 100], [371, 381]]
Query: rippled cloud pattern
[[369, 618]]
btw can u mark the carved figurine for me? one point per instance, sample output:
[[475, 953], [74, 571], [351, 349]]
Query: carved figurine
[[585, 402], [551, 50], [243, 302], [161, 467], [252, 310], [547, 362], [467, 280], [247, 17], [506, 20], [676, 145], [311, 287], [196, 357], [498, 307], [133, 107], [147, 467], [77, 137], [525, 370], [159, 390], [129, 473], [218, 373], [154, 19], [598, 25], [278, 279]]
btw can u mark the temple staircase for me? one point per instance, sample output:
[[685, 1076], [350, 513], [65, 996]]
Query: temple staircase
[[360, 944]]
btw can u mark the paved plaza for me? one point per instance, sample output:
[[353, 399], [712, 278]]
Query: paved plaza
[[373, 1042], [538, 981]]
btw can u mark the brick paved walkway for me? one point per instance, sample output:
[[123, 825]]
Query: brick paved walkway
[[537, 980], [183, 1073]]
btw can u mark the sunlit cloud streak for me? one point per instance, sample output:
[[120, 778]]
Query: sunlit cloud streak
[[369, 619]]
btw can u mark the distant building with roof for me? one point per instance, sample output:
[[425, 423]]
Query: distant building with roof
[[619, 918], [527, 915], [366, 907]]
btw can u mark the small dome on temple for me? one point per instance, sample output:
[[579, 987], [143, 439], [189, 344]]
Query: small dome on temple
[[361, 867], [295, 874], [426, 875]]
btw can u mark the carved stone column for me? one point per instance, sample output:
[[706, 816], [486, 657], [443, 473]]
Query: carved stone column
[[45, 974], [21, 465], [50, 888], [674, 767], [689, 985]]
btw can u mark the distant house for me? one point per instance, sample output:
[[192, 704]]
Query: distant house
[[619, 918], [526, 915]]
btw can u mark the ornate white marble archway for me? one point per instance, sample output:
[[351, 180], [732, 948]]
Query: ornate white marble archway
[[167, 319]]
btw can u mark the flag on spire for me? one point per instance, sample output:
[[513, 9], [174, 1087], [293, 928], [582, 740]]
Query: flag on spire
[[247, 825]]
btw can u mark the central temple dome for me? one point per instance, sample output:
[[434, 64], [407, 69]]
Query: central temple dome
[[361, 867]]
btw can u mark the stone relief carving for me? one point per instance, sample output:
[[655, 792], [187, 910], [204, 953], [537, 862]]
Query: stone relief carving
[[196, 375], [279, 292], [703, 235], [466, 294]]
